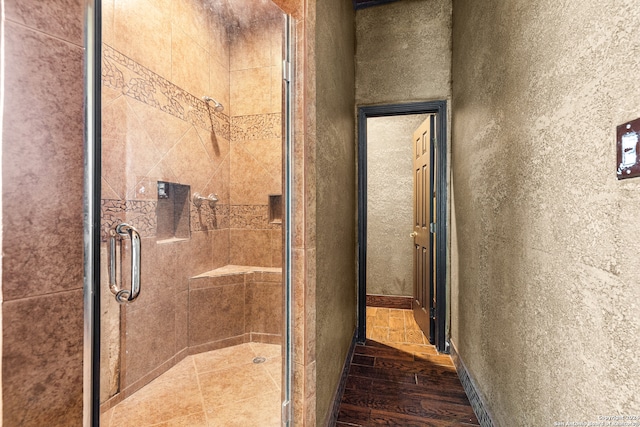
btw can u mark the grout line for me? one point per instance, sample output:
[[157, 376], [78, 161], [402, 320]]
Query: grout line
[[204, 408], [44, 33], [278, 386]]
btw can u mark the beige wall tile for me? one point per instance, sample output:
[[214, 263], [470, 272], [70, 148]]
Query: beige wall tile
[[251, 183], [150, 338], [276, 248], [298, 188], [251, 92], [250, 247], [142, 33], [109, 94], [193, 18], [162, 172], [194, 256], [219, 86], [263, 307], [182, 320], [164, 129], [217, 147], [220, 44], [108, 14], [128, 152], [190, 162], [250, 46], [220, 248], [276, 31], [268, 152], [276, 88], [216, 313], [220, 182], [106, 191], [189, 64], [299, 336]]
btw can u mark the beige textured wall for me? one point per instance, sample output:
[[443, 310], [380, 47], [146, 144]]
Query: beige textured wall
[[336, 196], [546, 294], [403, 52], [390, 204]]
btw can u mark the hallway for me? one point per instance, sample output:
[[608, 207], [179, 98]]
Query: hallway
[[397, 378]]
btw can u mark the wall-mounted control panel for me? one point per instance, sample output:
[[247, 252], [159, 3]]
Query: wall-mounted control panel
[[627, 138]]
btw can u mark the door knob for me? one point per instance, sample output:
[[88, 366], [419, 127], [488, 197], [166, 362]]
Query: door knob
[[414, 234]]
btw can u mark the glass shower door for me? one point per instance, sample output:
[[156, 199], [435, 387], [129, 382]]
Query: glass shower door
[[193, 269]]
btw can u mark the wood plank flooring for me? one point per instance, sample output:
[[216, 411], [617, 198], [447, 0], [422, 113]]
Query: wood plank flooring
[[394, 380]]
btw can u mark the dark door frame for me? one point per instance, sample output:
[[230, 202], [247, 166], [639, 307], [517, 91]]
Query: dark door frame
[[427, 107]]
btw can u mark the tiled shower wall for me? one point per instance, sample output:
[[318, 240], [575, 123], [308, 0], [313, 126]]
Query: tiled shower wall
[[256, 139], [157, 128], [42, 157]]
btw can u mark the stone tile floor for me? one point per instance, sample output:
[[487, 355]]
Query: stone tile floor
[[217, 388], [392, 325]]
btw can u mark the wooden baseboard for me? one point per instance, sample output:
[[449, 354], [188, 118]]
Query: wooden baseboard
[[332, 416], [477, 403], [389, 301]]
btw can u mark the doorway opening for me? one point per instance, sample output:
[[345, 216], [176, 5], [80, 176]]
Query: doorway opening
[[429, 278]]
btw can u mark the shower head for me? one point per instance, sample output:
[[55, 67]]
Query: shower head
[[216, 105]]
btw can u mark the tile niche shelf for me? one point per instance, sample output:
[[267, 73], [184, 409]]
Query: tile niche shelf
[[172, 212], [275, 208]]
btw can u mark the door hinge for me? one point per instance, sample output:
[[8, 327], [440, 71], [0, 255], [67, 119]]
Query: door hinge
[[286, 71], [432, 228], [432, 312], [286, 412]]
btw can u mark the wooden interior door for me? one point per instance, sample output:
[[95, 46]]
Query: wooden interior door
[[424, 185]]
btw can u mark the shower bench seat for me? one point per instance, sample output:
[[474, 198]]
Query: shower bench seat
[[228, 270], [234, 304]]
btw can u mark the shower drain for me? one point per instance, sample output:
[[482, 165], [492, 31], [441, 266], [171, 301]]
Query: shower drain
[[259, 359]]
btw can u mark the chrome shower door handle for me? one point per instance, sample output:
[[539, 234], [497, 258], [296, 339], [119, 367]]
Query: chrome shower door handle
[[124, 296]]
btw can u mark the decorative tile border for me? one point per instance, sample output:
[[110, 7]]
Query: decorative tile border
[[471, 390], [260, 126], [253, 217], [139, 213], [206, 218], [120, 72], [142, 215], [111, 214]]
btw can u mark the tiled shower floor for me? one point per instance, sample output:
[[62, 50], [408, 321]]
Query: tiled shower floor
[[218, 388]]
